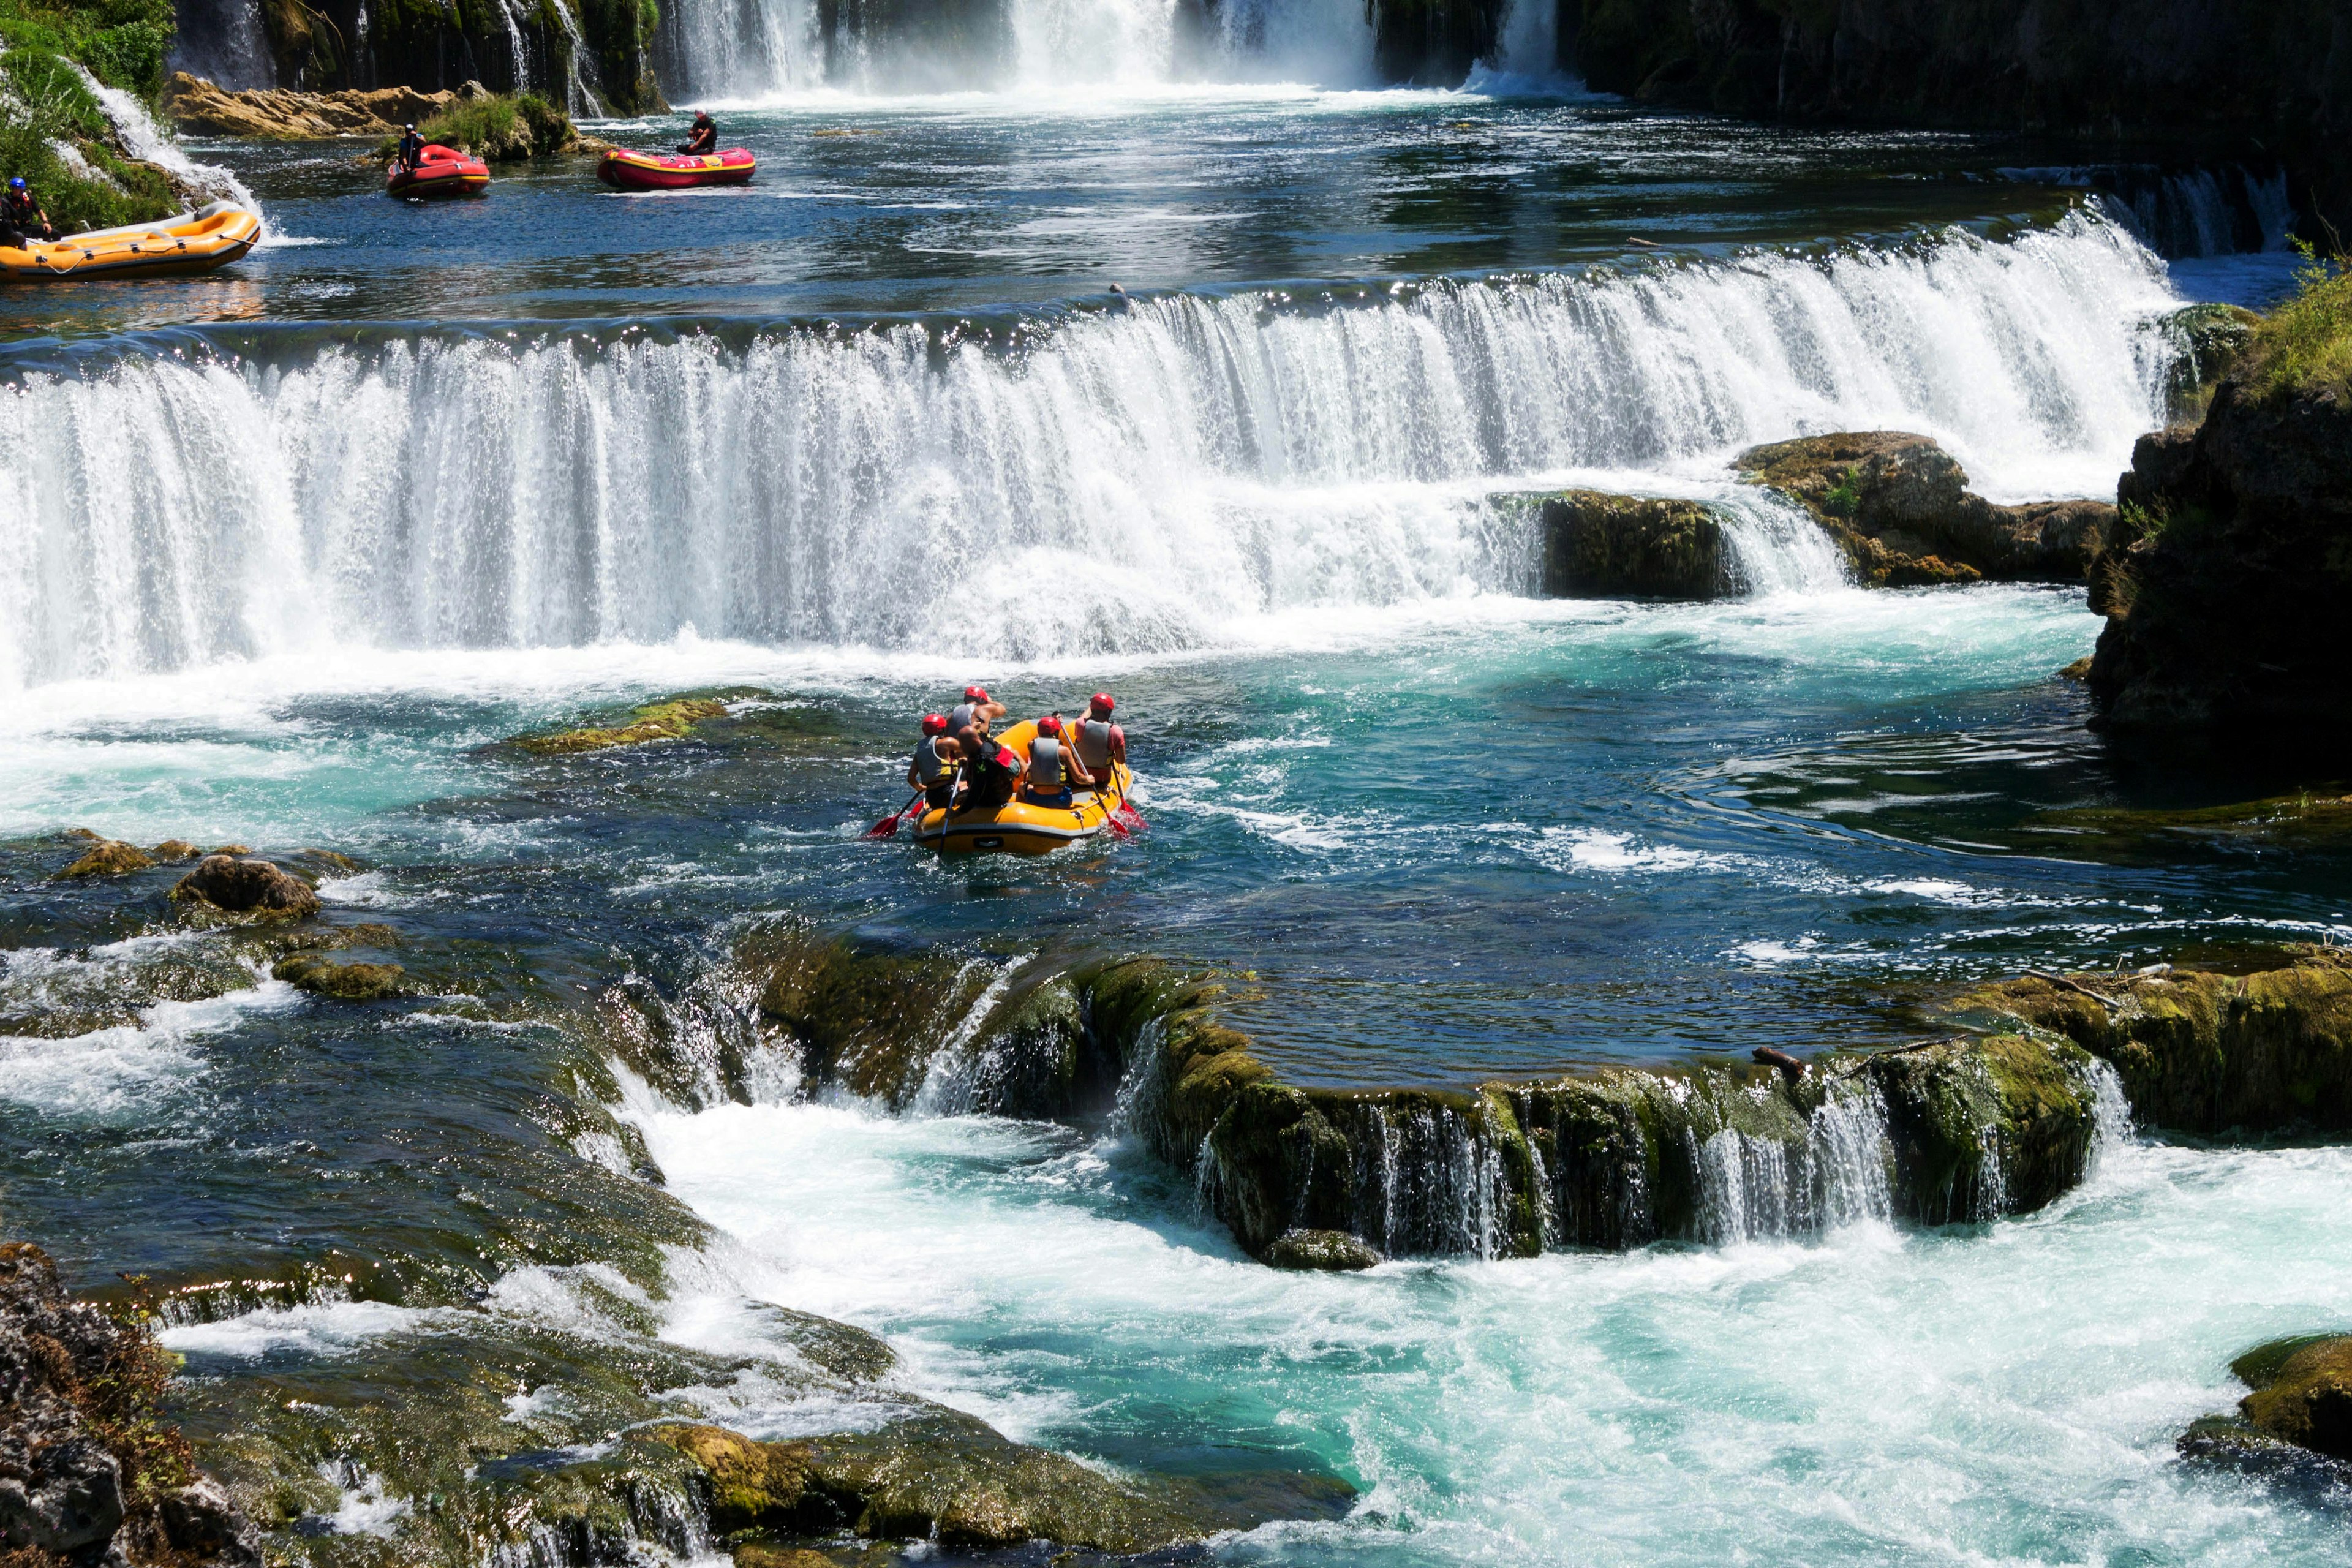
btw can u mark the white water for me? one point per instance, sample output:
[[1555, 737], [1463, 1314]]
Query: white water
[[1170, 470], [2000, 1396]]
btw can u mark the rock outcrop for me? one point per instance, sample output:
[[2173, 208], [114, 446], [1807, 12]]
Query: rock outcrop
[[108, 857], [342, 982], [2206, 1053], [88, 1473], [197, 105], [2226, 582], [1602, 546], [1900, 508], [225, 885]]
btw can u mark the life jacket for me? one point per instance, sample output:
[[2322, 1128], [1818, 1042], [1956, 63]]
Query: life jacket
[[959, 717], [18, 206], [1092, 742], [929, 767], [1045, 766], [991, 776]]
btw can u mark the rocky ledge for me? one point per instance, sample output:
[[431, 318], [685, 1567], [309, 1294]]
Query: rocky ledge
[[197, 105], [1998, 1115], [88, 1472], [1900, 508]]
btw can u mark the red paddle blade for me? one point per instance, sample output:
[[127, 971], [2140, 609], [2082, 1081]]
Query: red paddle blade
[[886, 828], [1134, 818], [1117, 828]]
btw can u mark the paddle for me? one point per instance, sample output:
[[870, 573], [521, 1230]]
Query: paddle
[[888, 826]]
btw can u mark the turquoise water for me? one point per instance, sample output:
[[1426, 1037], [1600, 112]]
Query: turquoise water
[[288, 575]]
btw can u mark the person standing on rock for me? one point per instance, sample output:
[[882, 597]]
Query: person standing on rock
[[21, 217]]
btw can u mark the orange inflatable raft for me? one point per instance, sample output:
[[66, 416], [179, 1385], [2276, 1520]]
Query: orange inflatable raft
[[199, 241], [1024, 828]]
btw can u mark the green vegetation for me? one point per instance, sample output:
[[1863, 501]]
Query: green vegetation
[[46, 103], [496, 129], [2305, 344]]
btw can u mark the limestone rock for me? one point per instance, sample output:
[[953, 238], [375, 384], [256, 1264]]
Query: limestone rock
[[201, 1520], [108, 857], [1333, 1251], [1900, 508], [225, 884], [196, 104], [1601, 546], [2301, 1407], [2209, 341], [667, 720], [174, 850], [343, 981]]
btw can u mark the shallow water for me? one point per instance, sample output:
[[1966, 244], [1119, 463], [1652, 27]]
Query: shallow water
[[874, 428]]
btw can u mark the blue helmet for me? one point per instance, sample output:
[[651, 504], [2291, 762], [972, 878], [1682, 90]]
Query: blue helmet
[[18, 184]]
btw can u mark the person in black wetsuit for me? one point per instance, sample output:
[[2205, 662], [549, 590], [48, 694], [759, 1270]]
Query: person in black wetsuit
[[21, 217], [703, 139], [412, 148]]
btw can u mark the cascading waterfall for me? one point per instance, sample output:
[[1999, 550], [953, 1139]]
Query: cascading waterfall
[[223, 41], [1755, 1189], [1182, 465]]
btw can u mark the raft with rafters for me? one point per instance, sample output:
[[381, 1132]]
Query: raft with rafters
[[627, 170], [1024, 828], [209, 237]]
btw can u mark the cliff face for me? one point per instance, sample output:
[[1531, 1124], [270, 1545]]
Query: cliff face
[[572, 51], [2207, 75]]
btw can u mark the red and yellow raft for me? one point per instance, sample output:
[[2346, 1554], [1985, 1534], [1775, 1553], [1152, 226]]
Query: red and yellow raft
[[627, 170], [199, 241], [440, 171], [1024, 828]]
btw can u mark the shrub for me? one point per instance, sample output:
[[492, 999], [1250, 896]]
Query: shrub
[[2305, 344], [496, 129]]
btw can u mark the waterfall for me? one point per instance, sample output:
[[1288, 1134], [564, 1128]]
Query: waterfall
[[222, 41], [1776, 547], [1755, 1189], [755, 48], [1181, 466], [150, 142]]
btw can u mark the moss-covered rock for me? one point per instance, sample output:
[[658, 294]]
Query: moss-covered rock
[[2297, 1423], [1900, 508], [2208, 1052], [667, 720], [2208, 341], [342, 982], [108, 857], [1321, 1251], [1599, 546], [232, 888]]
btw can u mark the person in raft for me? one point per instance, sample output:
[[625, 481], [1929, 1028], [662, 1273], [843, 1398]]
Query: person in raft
[[21, 217], [1097, 741], [410, 150], [702, 139], [933, 769], [975, 708], [1054, 773], [990, 773]]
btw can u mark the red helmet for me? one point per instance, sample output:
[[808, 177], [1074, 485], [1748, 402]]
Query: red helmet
[[1051, 724], [935, 724], [1100, 702], [975, 694]]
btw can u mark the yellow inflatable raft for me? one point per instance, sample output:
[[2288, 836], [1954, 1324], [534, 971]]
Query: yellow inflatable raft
[[1023, 828], [172, 247]]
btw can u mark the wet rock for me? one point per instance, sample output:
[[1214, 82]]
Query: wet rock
[[226, 884], [174, 850], [342, 982], [2207, 1053], [667, 720], [87, 1469], [197, 105], [2225, 583], [1900, 508], [202, 1521], [2296, 1425], [1599, 546], [1332, 1251], [109, 858]]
